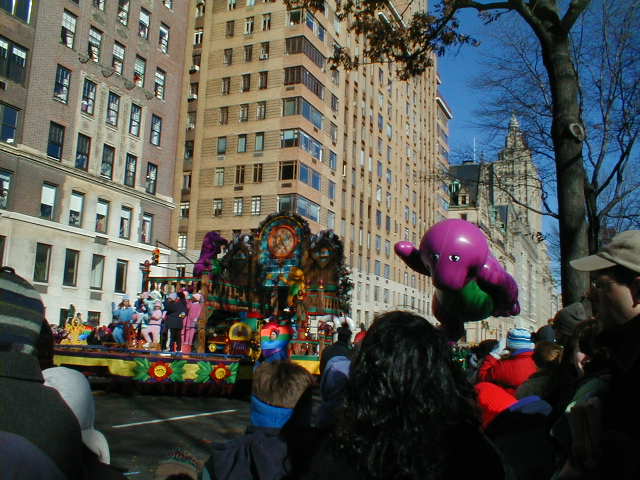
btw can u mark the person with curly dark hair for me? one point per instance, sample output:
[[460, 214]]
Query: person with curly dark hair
[[409, 411]]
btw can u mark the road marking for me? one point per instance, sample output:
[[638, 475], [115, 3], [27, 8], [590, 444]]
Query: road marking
[[171, 419]]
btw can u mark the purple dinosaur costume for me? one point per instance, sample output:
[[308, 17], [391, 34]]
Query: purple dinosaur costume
[[211, 246], [470, 283]]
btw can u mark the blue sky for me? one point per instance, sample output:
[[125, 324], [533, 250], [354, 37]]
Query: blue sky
[[456, 69]]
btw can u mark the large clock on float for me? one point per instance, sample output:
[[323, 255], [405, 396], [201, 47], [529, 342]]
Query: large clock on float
[[282, 241]]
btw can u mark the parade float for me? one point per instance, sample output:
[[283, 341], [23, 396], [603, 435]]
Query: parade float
[[281, 292]]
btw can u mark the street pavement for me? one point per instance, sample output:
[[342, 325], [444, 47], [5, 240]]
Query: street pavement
[[143, 429]]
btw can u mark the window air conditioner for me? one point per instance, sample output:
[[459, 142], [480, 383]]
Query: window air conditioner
[[264, 56], [192, 96], [194, 68]]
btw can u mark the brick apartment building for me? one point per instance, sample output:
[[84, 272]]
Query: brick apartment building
[[89, 95], [268, 126]]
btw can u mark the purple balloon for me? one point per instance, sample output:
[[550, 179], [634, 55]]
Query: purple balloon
[[455, 252]]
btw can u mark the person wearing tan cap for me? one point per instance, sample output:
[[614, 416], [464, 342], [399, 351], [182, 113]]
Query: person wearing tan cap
[[610, 444]]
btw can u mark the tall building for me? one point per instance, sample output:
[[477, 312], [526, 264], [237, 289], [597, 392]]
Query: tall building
[[269, 126], [503, 198], [89, 92]]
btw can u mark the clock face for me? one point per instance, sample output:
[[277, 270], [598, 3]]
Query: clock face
[[282, 241]]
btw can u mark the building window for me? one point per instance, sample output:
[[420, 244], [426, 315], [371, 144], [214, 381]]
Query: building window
[[163, 38], [108, 156], [48, 201], [288, 170], [333, 160], [218, 177], [186, 182], [231, 4], [130, 170], [18, 8], [8, 123], [222, 145], [217, 207], [184, 209], [68, 31], [156, 129], [198, 35], [246, 82], [83, 150], [5, 187], [307, 208], [259, 141], [97, 272], [117, 61], [182, 241], [88, 97], [159, 84], [227, 57], [248, 53], [191, 120], [123, 12], [263, 80], [261, 110], [56, 140], [226, 85], [134, 120], [248, 25], [70, 274], [121, 276], [224, 115], [264, 50], [168, 4], [256, 205], [244, 112], [143, 24], [331, 220], [124, 229], [242, 143], [200, 10], [113, 109], [146, 228], [240, 169], [286, 203], [230, 28], [331, 190], [152, 178], [43, 260], [257, 173], [95, 44], [139, 70], [266, 21], [289, 138], [237, 206], [99, 4]]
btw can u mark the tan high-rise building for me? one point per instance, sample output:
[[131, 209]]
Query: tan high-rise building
[[89, 92], [268, 126]]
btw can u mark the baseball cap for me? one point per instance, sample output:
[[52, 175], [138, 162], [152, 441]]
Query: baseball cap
[[624, 250]]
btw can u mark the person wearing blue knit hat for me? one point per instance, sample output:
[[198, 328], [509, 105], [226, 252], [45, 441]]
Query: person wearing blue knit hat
[[514, 370]]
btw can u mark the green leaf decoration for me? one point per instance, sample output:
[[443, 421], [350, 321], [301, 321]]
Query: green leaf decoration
[[203, 374], [233, 368], [178, 370], [141, 370]]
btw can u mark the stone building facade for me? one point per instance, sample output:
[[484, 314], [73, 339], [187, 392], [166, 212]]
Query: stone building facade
[[89, 95], [503, 199], [269, 126]]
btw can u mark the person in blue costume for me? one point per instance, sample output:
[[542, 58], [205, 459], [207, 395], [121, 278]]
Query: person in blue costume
[[262, 453], [122, 315]]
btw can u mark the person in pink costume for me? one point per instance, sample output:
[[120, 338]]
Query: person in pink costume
[[191, 322], [151, 331]]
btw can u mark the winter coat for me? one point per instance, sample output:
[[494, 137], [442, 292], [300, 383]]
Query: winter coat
[[194, 309], [38, 413], [176, 312], [124, 315], [259, 455], [510, 372]]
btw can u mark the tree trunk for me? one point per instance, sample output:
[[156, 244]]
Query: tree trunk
[[567, 141]]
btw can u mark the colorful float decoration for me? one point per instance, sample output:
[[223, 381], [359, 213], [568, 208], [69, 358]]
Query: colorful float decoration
[[470, 283], [283, 273]]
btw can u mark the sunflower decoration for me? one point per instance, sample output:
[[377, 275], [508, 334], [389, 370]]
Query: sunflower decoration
[[146, 371], [220, 373]]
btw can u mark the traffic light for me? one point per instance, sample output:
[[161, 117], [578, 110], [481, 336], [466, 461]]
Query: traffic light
[[155, 259]]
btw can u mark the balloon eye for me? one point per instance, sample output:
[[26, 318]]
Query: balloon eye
[[435, 257], [454, 258]]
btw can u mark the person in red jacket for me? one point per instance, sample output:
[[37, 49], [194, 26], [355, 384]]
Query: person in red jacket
[[360, 335], [514, 370]]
